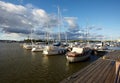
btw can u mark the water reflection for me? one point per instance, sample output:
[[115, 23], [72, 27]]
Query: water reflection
[[114, 48], [45, 59], [33, 56], [67, 66]]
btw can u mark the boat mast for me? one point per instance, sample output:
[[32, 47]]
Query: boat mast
[[59, 22], [87, 33], [66, 37], [48, 34], [31, 36]]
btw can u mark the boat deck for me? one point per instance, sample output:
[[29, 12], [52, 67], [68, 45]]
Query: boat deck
[[103, 70]]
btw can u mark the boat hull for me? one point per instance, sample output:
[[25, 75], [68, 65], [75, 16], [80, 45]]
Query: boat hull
[[78, 58], [37, 50], [55, 52], [28, 47]]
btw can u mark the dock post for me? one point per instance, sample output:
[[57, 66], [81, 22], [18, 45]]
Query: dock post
[[117, 78]]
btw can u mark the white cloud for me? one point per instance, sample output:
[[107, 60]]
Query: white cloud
[[12, 8], [72, 22], [74, 29], [21, 19], [14, 36]]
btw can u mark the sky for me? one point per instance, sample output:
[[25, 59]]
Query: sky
[[34, 18]]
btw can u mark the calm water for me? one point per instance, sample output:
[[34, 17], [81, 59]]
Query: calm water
[[18, 65], [114, 48]]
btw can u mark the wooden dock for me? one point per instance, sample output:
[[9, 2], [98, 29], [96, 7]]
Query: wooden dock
[[104, 70]]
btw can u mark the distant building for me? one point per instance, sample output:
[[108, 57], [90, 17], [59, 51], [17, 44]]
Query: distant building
[[118, 40]]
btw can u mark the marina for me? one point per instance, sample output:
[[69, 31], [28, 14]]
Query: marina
[[59, 41]]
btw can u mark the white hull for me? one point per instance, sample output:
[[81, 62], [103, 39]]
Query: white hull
[[37, 49], [28, 47], [78, 58], [53, 50], [50, 52]]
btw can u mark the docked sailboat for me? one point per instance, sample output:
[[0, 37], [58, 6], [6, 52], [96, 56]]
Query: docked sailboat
[[29, 45], [78, 54], [54, 50]]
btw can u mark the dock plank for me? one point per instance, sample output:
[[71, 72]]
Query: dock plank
[[89, 69], [83, 71], [95, 73], [99, 73], [107, 73], [111, 75]]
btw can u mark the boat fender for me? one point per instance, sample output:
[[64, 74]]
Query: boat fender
[[63, 51], [59, 52]]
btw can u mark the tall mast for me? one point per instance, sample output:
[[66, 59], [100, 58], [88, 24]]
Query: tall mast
[[65, 37], [47, 36], [31, 34], [59, 22], [87, 32]]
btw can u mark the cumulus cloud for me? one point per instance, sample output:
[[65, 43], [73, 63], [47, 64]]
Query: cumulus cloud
[[74, 28], [23, 19], [13, 36], [71, 22]]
